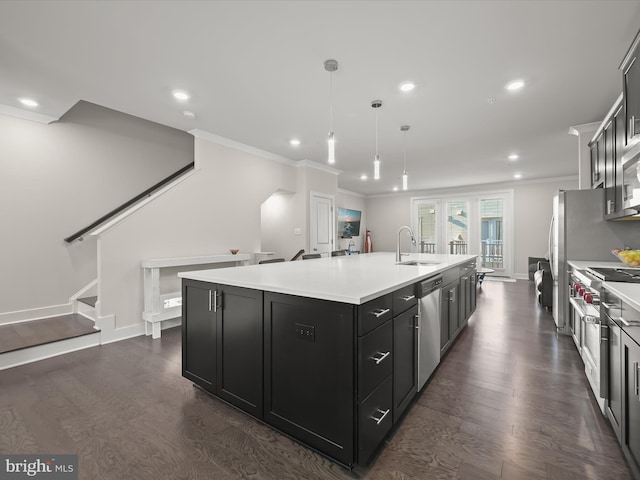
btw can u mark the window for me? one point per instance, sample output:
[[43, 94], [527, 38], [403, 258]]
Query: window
[[474, 224]]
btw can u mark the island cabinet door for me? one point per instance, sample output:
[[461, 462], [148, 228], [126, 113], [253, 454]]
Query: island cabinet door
[[199, 334], [405, 354], [239, 347], [309, 372], [631, 415]]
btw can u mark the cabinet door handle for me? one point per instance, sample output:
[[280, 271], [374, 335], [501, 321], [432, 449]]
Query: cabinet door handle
[[380, 358], [217, 304], [379, 419], [635, 378], [380, 312], [210, 300], [417, 321], [632, 126], [406, 298], [452, 295]]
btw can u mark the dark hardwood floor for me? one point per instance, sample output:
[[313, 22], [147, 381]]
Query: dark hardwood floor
[[509, 401], [17, 336]]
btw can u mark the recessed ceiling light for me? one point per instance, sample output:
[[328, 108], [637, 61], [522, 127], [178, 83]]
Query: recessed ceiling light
[[27, 102], [517, 176], [181, 95], [514, 85], [189, 114], [363, 176], [395, 189], [294, 142], [407, 86], [513, 156]]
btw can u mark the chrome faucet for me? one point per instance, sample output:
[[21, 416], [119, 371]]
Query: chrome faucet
[[413, 240]]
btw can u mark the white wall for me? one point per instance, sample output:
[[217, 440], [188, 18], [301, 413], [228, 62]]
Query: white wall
[[56, 179], [216, 209], [532, 215]]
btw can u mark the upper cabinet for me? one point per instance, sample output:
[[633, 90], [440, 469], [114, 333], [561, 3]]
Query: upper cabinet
[[631, 89], [597, 161]]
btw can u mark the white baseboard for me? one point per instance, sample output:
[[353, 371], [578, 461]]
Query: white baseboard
[[521, 276], [112, 334], [42, 352], [35, 313]]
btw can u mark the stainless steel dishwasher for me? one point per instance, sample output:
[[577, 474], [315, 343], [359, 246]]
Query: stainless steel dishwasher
[[428, 293]]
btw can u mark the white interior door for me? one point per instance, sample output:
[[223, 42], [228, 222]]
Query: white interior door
[[321, 223]]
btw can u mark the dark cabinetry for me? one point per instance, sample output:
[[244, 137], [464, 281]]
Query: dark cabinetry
[[467, 291], [222, 342], [375, 379], [198, 334], [309, 372], [597, 161], [405, 351], [607, 150], [449, 313], [631, 401], [631, 84]]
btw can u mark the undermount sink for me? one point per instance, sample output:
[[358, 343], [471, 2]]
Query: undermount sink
[[420, 262]]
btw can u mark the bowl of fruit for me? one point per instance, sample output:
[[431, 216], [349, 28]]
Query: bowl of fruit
[[630, 258]]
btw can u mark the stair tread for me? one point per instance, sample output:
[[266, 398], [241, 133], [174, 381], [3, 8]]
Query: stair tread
[[91, 301], [17, 336]]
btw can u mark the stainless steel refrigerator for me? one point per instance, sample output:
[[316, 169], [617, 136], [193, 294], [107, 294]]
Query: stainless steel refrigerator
[[579, 232]]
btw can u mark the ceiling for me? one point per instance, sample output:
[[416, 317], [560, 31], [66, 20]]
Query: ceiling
[[255, 73]]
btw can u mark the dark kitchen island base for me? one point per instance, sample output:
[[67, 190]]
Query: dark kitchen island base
[[328, 374]]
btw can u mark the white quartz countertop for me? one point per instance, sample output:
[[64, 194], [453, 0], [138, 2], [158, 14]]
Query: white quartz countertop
[[628, 292], [354, 279]]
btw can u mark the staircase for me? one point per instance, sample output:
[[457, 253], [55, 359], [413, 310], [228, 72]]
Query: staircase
[[26, 342]]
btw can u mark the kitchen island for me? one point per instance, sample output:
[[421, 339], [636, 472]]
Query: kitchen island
[[324, 350]]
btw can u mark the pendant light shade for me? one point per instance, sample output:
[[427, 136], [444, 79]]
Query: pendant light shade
[[331, 66], [376, 104], [405, 177]]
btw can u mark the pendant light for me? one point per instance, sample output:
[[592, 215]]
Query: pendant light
[[405, 178], [331, 66], [376, 160]]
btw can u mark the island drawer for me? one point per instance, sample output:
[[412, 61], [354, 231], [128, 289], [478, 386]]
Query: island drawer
[[373, 314], [374, 418], [404, 299], [374, 359]]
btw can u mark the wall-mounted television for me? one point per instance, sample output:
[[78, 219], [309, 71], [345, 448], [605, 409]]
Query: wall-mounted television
[[348, 222]]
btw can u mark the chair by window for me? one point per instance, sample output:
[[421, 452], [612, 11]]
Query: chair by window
[[271, 260], [309, 256], [338, 253]]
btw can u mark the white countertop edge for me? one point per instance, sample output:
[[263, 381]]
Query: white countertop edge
[[197, 260], [380, 263], [628, 292]]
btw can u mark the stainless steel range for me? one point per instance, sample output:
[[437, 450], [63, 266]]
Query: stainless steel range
[[590, 324], [628, 275]]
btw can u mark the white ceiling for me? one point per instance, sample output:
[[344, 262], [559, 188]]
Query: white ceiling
[[255, 72]]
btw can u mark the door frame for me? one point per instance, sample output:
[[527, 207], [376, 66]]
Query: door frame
[[473, 200], [313, 221]]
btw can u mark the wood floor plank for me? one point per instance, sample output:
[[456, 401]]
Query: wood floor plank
[[509, 401]]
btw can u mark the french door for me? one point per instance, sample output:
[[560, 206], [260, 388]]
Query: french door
[[478, 224]]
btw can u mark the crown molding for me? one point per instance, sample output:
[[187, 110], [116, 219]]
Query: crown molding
[[349, 192], [227, 142], [578, 130], [478, 187], [27, 114], [318, 166]]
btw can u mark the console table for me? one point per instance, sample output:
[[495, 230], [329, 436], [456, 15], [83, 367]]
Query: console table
[[158, 308]]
